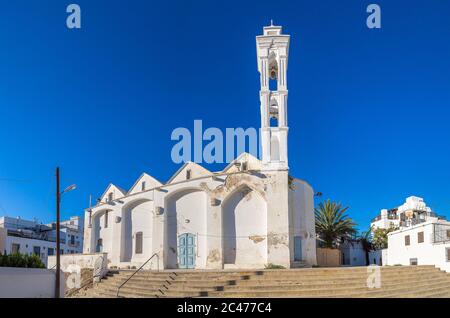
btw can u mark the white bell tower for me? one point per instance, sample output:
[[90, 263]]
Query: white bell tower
[[272, 52]]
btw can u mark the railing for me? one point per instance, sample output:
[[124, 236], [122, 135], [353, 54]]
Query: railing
[[126, 281], [441, 233]]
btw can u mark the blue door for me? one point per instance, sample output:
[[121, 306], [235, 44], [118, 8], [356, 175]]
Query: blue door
[[297, 248], [186, 250]]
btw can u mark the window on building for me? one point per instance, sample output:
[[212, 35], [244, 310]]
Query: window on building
[[106, 219], [407, 240], [188, 174], [143, 185], [15, 248], [37, 250], [448, 233], [138, 248], [72, 240], [62, 252], [50, 251], [110, 197], [420, 237], [413, 261], [447, 252], [99, 247]]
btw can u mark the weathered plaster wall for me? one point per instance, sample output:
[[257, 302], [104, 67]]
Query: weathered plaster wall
[[186, 213], [302, 220], [137, 216], [257, 203], [245, 229]]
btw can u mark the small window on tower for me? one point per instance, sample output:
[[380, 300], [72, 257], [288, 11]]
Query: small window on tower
[[106, 219], [188, 174], [143, 185], [110, 197]]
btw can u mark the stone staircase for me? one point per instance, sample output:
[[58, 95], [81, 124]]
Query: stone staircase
[[396, 281]]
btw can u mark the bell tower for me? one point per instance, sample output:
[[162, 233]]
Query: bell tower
[[272, 53]]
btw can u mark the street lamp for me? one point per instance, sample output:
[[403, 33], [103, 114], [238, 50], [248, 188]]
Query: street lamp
[[58, 239], [69, 188]]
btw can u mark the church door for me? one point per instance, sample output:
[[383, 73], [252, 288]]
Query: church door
[[186, 250]]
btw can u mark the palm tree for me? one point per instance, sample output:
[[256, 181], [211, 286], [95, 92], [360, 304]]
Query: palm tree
[[332, 224]]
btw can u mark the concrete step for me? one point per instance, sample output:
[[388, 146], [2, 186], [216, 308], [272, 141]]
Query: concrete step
[[331, 292], [264, 279], [276, 284], [395, 292], [304, 272], [404, 281], [280, 291], [293, 272]]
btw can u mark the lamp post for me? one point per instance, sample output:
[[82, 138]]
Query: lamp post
[[58, 238]]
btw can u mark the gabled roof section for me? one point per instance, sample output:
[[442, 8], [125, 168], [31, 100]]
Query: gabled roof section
[[150, 183], [197, 171], [115, 190], [253, 163]]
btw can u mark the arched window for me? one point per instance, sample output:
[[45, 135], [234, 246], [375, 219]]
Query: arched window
[[138, 246], [273, 112], [273, 72], [274, 149]]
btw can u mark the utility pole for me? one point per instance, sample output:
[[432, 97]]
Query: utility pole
[[58, 265]]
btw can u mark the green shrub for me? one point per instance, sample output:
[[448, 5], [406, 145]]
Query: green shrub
[[274, 266], [21, 260]]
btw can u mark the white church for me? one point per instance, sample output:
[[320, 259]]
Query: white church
[[249, 215]]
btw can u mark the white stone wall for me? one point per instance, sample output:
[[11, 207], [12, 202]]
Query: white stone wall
[[302, 220], [28, 283], [244, 216], [379, 257], [427, 253], [186, 213], [252, 213]]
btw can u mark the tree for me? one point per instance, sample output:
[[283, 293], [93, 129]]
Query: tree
[[332, 225], [380, 237]]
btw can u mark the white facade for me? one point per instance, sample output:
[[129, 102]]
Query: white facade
[[413, 211], [353, 253], [248, 215], [378, 257], [30, 237], [426, 243]]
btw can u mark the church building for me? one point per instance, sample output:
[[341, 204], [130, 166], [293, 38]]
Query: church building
[[250, 215]]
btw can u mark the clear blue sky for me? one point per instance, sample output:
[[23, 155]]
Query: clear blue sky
[[368, 109]]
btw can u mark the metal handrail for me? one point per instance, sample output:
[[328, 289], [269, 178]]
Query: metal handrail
[[126, 281]]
